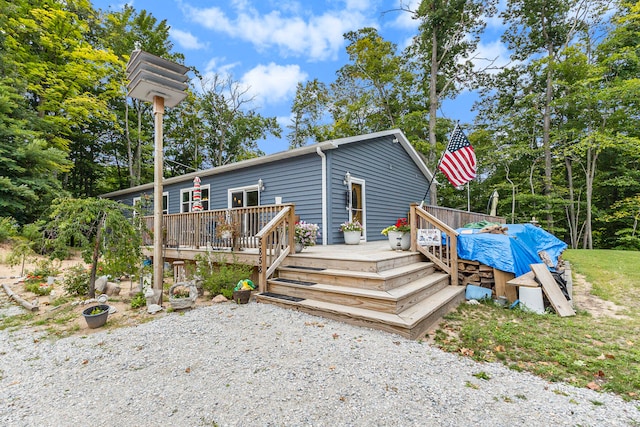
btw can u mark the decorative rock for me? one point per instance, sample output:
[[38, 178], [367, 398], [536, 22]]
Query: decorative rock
[[219, 299], [101, 284], [153, 308], [112, 289]]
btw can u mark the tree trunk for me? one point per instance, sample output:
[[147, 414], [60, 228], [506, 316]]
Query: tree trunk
[[546, 137], [95, 256], [590, 171], [571, 210]]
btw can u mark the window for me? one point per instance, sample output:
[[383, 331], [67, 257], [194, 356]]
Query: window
[[244, 197], [146, 203], [186, 199]]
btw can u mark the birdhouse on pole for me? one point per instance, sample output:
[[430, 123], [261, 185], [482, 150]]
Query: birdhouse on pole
[[163, 82]]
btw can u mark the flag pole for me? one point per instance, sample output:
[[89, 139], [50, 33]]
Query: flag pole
[[433, 175]]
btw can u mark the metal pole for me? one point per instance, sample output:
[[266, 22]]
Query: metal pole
[[158, 267]]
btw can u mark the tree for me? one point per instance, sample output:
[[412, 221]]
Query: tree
[[229, 129], [105, 230], [133, 137], [440, 54], [365, 92], [309, 107], [545, 27]]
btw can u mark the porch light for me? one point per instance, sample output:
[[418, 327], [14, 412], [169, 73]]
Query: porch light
[[261, 184], [157, 80], [347, 178]]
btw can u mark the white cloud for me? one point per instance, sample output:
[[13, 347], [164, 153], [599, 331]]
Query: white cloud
[[273, 83], [318, 37], [494, 54], [217, 65], [186, 40], [404, 20]]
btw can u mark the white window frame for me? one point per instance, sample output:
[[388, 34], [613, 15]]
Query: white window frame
[[165, 196], [184, 204], [360, 182], [244, 190]]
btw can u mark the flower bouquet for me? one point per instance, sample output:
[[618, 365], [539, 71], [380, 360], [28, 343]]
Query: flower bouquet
[[351, 226], [401, 225], [306, 233]]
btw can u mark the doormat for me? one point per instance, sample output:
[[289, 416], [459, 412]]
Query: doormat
[[305, 268], [295, 282], [283, 297]]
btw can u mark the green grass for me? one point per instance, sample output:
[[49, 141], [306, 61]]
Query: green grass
[[602, 353]]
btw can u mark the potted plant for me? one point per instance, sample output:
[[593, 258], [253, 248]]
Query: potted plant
[[398, 234], [305, 235], [96, 315], [183, 295], [242, 291], [352, 232], [227, 229]]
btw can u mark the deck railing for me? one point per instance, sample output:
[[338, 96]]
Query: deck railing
[[426, 237], [455, 218], [206, 229], [277, 240]]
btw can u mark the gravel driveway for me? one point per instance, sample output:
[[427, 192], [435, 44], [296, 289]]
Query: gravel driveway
[[260, 365]]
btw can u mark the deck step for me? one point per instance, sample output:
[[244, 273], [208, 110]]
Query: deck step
[[389, 301], [339, 262], [411, 323], [384, 280]]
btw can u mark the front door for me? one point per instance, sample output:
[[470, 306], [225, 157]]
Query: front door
[[357, 203]]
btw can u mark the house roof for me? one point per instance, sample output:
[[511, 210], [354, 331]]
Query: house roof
[[296, 152]]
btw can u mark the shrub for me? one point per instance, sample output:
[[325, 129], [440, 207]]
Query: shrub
[[76, 280], [138, 300], [37, 287], [8, 228], [220, 277], [45, 268]]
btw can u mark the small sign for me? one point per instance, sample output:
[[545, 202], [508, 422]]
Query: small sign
[[429, 237]]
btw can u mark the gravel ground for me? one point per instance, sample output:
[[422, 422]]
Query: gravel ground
[[260, 365]]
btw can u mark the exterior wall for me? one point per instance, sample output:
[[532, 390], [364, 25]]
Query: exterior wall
[[296, 180], [392, 182]]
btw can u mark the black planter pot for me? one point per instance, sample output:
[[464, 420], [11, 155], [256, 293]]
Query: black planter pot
[[96, 320]]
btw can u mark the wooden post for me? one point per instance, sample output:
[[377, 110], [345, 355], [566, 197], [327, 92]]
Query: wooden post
[[158, 261], [502, 289], [414, 227]]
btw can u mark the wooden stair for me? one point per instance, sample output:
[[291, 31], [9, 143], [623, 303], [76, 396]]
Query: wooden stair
[[400, 294]]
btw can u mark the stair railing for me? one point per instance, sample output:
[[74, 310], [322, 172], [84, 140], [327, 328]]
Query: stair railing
[[276, 241], [427, 238]]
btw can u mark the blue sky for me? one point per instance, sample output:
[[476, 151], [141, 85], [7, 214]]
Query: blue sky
[[270, 45]]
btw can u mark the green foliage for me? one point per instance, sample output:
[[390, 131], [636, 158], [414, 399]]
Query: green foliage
[[96, 310], [8, 228], [103, 229], [37, 287], [76, 280], [138, 300], [45, 268], [218, 276]]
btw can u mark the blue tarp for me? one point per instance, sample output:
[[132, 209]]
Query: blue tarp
[[513, 252]]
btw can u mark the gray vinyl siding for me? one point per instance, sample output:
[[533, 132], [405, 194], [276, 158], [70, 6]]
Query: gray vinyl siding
[[392, 182]]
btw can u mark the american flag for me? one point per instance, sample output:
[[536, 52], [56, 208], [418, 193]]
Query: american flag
[[458, 162]]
